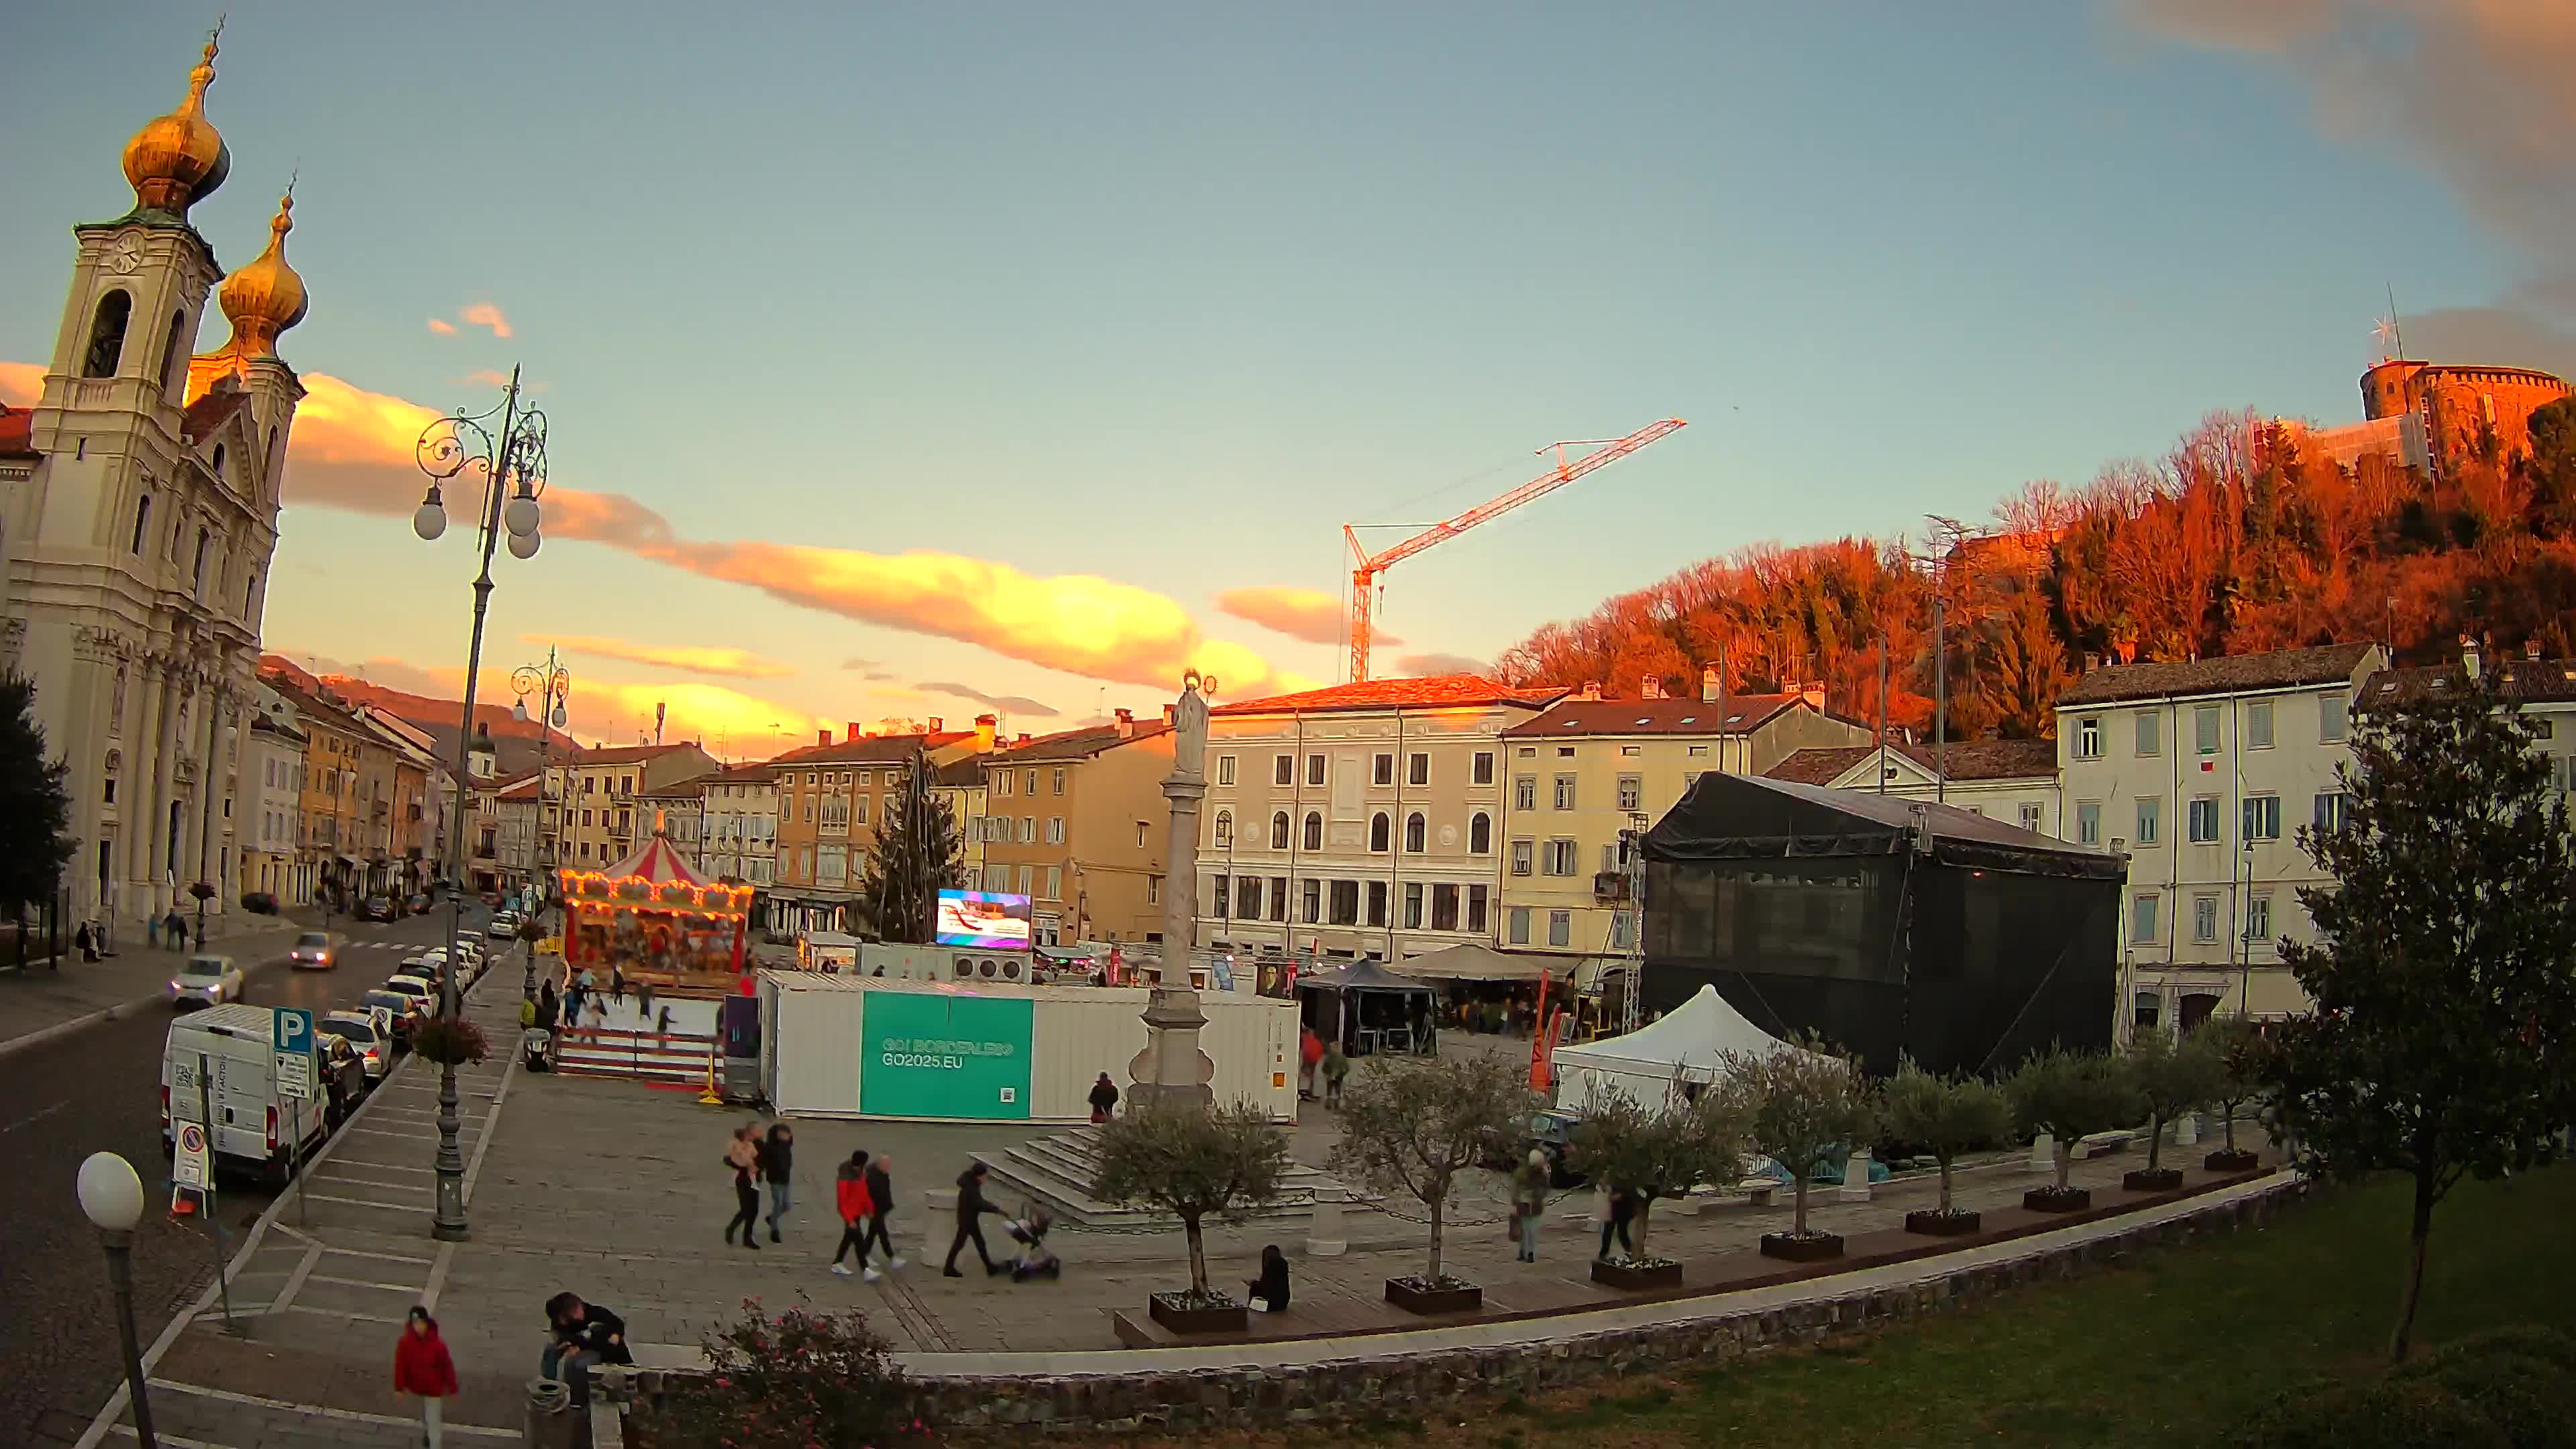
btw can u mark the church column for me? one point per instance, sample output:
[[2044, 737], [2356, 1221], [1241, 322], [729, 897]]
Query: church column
[[145, 783], [207, 824]]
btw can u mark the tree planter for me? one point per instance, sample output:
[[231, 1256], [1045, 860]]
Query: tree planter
[[1446, 1295], [1933, 1222], [2235, 1159], [1189, 1313], [1637, 1274], [2057, 1200], [1812, 1248], [2152, 1179]]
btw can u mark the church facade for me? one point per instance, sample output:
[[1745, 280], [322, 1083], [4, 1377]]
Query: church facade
[[140, 531]]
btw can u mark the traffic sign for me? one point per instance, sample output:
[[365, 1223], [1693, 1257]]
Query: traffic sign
[[189, 1167], [295, 1075], [291, 1027]]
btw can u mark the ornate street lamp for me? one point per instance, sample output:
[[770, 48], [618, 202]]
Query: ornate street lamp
[[552, 684], [513, 468]]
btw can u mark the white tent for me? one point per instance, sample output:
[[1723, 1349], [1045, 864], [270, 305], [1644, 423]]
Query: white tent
[[1688, 1041]]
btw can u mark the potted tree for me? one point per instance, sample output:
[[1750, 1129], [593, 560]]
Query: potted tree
[[1193, 1163], [2171, 1078], [1801, 1102], [1945, 1116], [2237, 1046], [1646, 1153], [2067, 1095], [1411, 1125]]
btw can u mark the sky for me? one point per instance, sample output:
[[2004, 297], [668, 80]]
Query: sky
[[904, 361]]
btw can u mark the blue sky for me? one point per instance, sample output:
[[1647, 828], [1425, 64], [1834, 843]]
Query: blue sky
[[1166, 294]]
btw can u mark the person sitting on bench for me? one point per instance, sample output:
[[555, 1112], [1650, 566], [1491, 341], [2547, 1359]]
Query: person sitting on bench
[[1269, 1292]]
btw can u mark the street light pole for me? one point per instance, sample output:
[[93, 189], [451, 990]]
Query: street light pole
[[111, 1196], [552, 684], [447, 448]]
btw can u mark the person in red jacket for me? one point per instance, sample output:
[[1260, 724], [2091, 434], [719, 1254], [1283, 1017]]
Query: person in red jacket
[[423, 1370], [857, 1208], [1310, 1053]]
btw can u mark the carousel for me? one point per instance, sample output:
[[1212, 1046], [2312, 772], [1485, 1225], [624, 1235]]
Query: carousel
[[653, 919]]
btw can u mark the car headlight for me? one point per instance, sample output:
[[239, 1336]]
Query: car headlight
[[174, 984]]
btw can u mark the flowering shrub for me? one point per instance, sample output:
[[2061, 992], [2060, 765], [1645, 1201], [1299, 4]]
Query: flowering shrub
[[800, 1377], [450, 1041]]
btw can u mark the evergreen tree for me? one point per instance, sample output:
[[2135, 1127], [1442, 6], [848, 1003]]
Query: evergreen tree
[[2443, 1043], [35, 806], [917, 854]]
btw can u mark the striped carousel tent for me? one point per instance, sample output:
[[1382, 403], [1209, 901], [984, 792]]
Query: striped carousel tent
[[654, 909]]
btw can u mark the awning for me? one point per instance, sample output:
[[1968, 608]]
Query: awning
[[1472, 962]]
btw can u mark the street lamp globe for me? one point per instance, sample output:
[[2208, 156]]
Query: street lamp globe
[[521, 515], [111, 1196], [519, 711], [430, 519], [524, 545]]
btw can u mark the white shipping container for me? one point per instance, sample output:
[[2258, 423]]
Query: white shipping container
[[814, 1046]]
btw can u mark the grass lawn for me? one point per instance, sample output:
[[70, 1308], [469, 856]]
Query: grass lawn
[[2173, 1347]]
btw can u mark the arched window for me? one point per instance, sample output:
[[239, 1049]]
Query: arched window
[[142, 521], [197, 571], [1224, 828], [107, 335], [1314, 831], [250, 599], [1378, 831], [1279, 831], [1413, 833], [1480, 834], [219, 460], [172, 352]]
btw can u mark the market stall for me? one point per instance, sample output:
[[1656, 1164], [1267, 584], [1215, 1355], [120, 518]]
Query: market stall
[[1368, 1009], [652, 918]]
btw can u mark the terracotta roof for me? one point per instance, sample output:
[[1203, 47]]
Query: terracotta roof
[[1079, 744], [17, 432], [693, 785], [211, 412], [865, 750], [263, 722], [2537, 680], [1744, 714], [1436, 691], [2229, 674], [530, 788], [626, 754], [1969, 760]]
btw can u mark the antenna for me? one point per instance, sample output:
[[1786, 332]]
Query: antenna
[[2396, 328]]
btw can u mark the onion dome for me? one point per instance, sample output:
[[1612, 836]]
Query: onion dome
[[179, 158], [266, 297]]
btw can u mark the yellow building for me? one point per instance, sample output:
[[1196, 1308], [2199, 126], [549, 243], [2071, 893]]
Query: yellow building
[[602, 820], [833, 799], [1077, 822], [1586, 769], [960, 785]]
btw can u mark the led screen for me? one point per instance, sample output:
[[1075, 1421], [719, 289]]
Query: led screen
[[983, 920]]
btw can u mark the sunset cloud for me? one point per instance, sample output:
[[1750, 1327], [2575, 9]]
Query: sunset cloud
[[1306, 614], [698, 659], [1422, 665], [441, 327], [1006, 703], [866, 668], [21, 383]]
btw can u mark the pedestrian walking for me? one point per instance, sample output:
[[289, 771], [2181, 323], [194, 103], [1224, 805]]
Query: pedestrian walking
[[881, 1198], [1529, 1201], [617, 984], [743, 1156], [1623, 1210], [572, 1007], [423, 1369], [152, 932], [1104, 1098], [858, 1214], [1337, 1070], [175, 927], [1310, 1054], [644, 1003], [971, 1207], [87, 943], [662, 1024], [777, 1159], [549, 1006]]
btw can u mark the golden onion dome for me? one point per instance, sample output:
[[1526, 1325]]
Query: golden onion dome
[[266, 297], [180, 158]]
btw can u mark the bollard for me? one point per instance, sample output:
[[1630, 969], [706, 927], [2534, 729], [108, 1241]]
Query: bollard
[[550, 1421], [2043, 1153], [1325, 1236], [1855, 1186], [2186, 1129]]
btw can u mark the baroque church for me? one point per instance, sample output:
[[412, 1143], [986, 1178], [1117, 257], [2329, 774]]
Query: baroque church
[[140, 523]]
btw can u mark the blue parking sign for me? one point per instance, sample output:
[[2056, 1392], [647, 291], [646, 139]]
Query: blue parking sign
[[291, 1028]]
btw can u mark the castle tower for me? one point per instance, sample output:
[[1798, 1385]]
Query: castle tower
[[139, 544]]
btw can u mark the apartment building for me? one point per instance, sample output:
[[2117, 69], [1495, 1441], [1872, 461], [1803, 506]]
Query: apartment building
[[959, 785], [330, 841], [1586, 769], [2014, 781], [1077, 822], [832, 802], [602, 821], [742, 829], [517, 816], [678, 810], [2201, 773], [273, 761], [1360, 820]]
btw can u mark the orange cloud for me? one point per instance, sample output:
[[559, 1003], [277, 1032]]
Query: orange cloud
[[737, 663], [441, 327], [485, 314], [603, 710], [1423, 665], [21, 383], [1304, 614]]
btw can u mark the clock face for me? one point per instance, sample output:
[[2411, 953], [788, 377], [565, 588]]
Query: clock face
[[124, 255]]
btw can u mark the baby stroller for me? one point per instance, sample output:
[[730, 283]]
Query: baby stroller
[[1033, 1261]]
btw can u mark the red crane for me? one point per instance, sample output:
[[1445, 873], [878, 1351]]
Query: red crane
[[1369, 565]]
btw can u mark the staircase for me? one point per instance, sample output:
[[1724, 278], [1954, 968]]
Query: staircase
[[1058, 1172]]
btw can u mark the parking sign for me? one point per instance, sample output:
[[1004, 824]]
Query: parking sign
[[291, 1027]]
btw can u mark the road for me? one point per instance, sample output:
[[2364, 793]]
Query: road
[[99, 1088]]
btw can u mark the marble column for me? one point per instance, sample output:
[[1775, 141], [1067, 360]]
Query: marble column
[[1172, 1069]]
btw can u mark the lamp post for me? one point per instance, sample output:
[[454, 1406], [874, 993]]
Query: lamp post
[[514, 473], [111, 1196], [552, 684]]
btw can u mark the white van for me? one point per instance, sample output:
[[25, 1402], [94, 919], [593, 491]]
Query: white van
[[232, 1048]]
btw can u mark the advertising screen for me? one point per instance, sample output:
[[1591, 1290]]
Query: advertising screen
[[983, 920], [942, 1055]]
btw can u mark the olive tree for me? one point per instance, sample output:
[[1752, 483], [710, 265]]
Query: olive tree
[[2236, 1047], [1193, 1163], [1801, 1102], [1945, 1116], [1649, 1152], [2070, 1095], [2171, 1078], [1412, 1124]]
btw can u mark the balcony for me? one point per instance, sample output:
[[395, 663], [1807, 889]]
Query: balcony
[[1610, 885]]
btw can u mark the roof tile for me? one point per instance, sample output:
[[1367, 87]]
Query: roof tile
[[2228, 674], [1431, 692], [1570, 717]]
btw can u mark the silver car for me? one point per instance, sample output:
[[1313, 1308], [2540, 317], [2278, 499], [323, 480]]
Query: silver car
[[206, 981]]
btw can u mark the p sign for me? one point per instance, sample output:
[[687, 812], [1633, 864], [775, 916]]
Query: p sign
[[291, 1028]]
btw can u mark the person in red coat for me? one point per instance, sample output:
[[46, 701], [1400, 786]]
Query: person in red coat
[[423, 1369], [858, 1209], [1310, 1054]]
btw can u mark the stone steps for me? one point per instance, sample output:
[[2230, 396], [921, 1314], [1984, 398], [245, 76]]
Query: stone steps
[[1058, 1171]]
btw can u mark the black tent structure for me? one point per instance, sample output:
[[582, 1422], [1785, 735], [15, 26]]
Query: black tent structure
[[1368, 1009], [1884, 925]]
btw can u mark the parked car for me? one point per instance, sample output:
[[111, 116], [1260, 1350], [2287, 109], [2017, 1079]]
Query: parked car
[[403, 1011], [206, 981], [367, 1034], [417, 989], [314, 951], [378, 908], [419, 902], [504, 927], [259, 903]]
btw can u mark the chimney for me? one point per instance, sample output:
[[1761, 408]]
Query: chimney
[[822, 737], [1591, 690], [2469, 656], [2092, 661], [1022, 740], [1651, 687], [853, 728], [985, 725], [1708, 685], [938, 726]]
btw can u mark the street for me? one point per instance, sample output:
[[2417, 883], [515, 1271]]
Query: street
[[98, 1088]]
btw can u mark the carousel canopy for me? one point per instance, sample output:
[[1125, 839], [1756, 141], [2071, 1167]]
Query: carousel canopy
[[655, 875]]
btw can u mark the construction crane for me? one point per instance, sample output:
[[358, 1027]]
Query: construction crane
[[1369, 565]]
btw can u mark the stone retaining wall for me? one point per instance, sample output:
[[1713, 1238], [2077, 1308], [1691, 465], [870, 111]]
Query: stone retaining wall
[[1406, 1384]]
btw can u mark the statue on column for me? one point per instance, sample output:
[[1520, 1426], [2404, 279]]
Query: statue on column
[[1171, 1069]]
